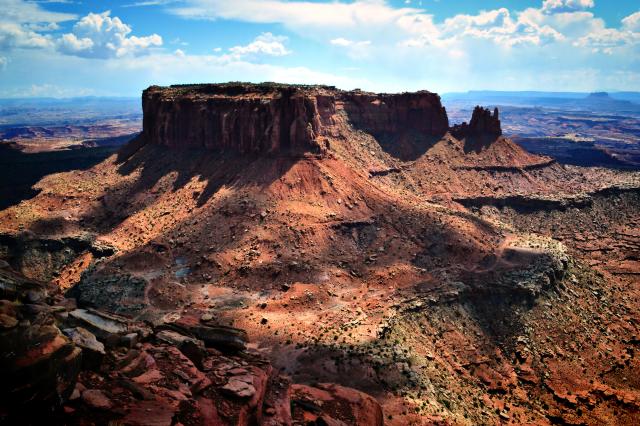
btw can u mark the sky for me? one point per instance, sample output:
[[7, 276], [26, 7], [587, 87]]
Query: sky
[[67, 48]]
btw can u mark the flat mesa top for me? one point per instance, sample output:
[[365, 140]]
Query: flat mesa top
[[250, 90], [237, 89]]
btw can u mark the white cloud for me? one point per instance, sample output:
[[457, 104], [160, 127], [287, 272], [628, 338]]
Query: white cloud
[[380, 23], [564, 6], [13, 35], [44, 90], [98, 35], [355, 49], [22, 24], [71, 43], [566, 33], [632, 22], [606, 39], [40, 26], [343, 42], [150, 3], [570, 25], [20, 12], [3, 62], [265, 44], [551, 46], [197, 68], [499, 26], [306, 17], [179, 42]]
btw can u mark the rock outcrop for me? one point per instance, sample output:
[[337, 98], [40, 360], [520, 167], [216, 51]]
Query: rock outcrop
[[482, 124], [65, 365], [272, 118], [39, 364]]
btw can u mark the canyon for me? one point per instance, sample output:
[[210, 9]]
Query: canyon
[[282, 254]]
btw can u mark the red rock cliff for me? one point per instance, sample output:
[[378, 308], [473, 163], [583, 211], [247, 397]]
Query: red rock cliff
[[240, 118], [270, 118], [391, 113]]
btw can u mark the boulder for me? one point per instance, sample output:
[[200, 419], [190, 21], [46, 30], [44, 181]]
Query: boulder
[[221, 337], [192, 348], [329, 403], [107, 328], [38, 370], [240, 398], [240, 386], [92, 350]]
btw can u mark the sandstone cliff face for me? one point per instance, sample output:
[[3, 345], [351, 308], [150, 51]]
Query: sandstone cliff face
[[269, 118], [241, 120], [421, 112]]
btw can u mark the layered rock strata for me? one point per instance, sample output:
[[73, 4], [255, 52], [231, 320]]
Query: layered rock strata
[[270, 118]]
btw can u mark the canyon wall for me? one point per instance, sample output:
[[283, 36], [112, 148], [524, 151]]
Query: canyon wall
[[272, 118], [421, 112], [250, 120]]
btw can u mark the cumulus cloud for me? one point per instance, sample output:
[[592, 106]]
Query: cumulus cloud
[[71, 43], [14, 35], [501, 27], [265, 44], [22, 25], [502, 47], [564, 6], [381, 23], [98, 35], [564, 32], [632, 22], [606, 39], [3, 62]]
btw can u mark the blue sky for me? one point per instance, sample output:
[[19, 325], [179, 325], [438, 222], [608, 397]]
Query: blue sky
[[67, 48]]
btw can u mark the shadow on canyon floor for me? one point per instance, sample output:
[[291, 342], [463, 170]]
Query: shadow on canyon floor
[[407, 146], [20, 171]]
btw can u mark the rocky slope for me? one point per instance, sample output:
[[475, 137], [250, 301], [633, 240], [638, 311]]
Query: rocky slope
[[108, 368], [379, 251]]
